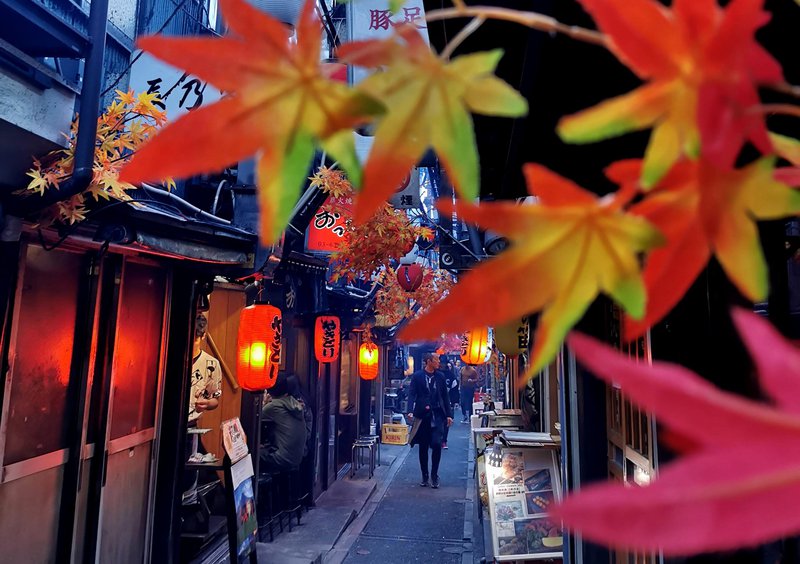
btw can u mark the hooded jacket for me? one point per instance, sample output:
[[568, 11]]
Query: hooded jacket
[[285, 432]]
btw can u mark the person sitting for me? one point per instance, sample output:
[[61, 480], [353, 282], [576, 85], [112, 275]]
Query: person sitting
[[284, 425]]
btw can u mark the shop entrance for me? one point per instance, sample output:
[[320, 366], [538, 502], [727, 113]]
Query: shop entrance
[[80, 407]]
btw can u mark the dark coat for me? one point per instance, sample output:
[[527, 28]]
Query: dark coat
[[285, 437], [423, 405]]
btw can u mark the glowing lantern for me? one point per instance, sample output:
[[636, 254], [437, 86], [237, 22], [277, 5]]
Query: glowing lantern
[[368, 360], [259, 347], [514, 337], [476, 346], [327, 338], [410, 276]]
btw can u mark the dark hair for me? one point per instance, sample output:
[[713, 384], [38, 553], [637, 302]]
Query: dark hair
[[428, 356], [296, 389], [200, 326], [281, 387]]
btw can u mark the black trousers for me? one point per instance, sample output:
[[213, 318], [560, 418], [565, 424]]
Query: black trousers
[[430, 437]]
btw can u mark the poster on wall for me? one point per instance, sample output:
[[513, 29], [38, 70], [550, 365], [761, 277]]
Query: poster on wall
[[244, 511], [521, 491]]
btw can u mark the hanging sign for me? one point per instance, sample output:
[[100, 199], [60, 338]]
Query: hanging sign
[[329, 225]]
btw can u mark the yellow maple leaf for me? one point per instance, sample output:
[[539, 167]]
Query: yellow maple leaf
[[38, 183], [429, 100]]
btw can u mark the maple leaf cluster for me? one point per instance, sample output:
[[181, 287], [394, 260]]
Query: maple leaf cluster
[[370, 247], [393, 303], [128, 122]]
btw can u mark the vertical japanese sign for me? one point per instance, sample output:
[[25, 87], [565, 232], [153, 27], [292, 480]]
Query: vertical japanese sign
[[372, 19], [179, 92], [328, 226]]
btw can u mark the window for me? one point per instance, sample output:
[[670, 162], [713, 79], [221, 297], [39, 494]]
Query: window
[[631, 458], [42, 354], [137, 350]]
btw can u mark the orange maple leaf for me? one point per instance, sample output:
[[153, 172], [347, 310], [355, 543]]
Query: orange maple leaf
[[564, 252], [280, 103]]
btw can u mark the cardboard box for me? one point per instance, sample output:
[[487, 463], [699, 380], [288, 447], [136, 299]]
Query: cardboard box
[[394, 434]]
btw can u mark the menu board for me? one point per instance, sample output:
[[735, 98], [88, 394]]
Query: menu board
[[483, 436], [521, 491]]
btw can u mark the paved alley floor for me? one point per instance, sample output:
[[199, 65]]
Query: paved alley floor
[[415, 524]]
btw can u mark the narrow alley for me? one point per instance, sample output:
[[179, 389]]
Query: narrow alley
[[416, 524], [390, 518]]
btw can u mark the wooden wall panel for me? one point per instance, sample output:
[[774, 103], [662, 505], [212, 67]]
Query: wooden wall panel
[[223, 325]]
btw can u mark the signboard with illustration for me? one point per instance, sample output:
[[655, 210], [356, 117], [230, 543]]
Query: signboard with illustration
[[521, 491], [240, 494]]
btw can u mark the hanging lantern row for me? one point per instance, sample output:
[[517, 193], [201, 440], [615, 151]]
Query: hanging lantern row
[[476, 346], [410, 276], [327, 338], [368, 359], [259, 347], [513, 338]]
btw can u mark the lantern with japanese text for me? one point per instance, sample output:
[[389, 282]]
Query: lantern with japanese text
[[476, 346], [327, 338], [368, 360], [514, 337], [410, 276], [259, 347]]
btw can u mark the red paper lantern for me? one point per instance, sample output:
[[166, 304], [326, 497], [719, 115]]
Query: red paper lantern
[[327, 338], [476, 346], [259, 347], [368, 361], [410, 276]]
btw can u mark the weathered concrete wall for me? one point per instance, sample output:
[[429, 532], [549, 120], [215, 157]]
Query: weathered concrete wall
[[122, 13], [46, 113]]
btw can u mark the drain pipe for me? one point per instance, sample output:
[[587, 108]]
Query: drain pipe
[[87, 128]]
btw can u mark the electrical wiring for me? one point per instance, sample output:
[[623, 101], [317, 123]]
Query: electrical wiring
[[179, 6]]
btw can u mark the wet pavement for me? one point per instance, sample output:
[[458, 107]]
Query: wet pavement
[[409, 523]]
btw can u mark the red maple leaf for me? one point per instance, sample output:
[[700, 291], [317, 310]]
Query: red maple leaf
[[741, 485]]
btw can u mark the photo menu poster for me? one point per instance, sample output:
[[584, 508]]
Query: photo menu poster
[[484, 436], [520, 492], [243, 531]]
